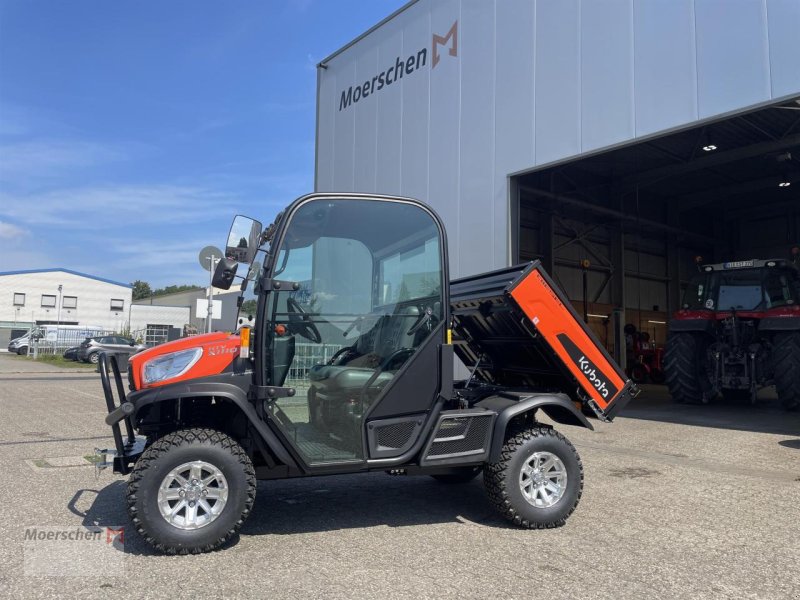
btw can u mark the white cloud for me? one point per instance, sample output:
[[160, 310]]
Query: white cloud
[[11, 232], [43, 158], [114, 207]]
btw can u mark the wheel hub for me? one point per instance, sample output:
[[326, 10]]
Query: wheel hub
[[192, 495], [543, 479]]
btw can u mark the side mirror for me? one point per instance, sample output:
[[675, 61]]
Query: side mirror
[[243, 239], [224, 273]]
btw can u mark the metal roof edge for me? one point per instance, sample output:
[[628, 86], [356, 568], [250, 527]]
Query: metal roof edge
[[70, 271], [321, 64]]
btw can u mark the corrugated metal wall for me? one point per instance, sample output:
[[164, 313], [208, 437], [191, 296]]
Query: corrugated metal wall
[[536, 82]]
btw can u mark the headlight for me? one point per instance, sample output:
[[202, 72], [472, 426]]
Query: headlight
[[170, 365]]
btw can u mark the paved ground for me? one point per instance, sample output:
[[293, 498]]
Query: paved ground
[[697, 502]]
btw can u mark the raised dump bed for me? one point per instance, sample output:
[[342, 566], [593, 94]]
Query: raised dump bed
[[522, 333]]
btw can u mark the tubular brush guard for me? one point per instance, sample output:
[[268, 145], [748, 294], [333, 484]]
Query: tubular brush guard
[[126, 452]]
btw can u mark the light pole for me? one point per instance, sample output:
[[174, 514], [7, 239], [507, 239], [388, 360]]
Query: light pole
[[58, 318]]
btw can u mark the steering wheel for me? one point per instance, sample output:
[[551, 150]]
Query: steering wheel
[[301, 323]]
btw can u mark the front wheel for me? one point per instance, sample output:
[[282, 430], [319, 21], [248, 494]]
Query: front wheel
[[538, 480], [94, 358], [191, 491], [786, 361]]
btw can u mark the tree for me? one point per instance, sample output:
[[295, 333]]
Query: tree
[[141, 289], [248, 308]]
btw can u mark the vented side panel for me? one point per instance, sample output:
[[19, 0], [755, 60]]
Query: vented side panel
[[388, 438], [394, 436], [460, 436]]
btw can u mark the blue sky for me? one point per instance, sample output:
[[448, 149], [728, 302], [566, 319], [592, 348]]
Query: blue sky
[[132, 132]]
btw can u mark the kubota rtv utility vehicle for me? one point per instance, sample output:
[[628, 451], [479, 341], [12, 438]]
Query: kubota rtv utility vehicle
[[738, 331], [349, 368]]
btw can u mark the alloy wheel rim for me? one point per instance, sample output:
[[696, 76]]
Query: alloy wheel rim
[[543, 479], [192, 495]]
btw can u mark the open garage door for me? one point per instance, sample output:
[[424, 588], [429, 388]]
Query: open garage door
[[620, 230]]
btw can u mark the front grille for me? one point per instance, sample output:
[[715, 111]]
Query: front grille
[[395, 435]]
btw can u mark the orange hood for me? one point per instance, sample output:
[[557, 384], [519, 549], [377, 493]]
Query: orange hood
[[219, 352]]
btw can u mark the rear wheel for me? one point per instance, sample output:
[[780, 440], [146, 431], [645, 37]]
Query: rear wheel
[[786, 361], [460, 475], [191, 491], [538, 480], [686, 368]]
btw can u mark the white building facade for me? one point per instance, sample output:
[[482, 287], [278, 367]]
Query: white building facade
[[51, 296]]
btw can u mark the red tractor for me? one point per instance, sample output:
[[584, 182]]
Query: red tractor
[[737, 331]]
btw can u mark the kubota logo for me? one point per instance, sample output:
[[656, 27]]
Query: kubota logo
[[596, 378], [393, 73], [591, 373]]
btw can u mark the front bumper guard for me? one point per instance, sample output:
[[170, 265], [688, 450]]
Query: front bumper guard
[[126, 451]]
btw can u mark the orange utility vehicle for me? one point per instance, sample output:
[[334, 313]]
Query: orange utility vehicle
[[349, 367]]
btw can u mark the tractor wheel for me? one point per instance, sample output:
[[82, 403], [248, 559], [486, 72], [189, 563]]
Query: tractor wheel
[[786, 362], [190, 491], [460, 475], [686, 368], [538, 480]]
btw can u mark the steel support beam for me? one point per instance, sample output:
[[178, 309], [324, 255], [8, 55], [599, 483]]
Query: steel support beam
[[712, 160], [617, 214]]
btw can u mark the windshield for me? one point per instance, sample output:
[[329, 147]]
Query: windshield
[[743, 289]]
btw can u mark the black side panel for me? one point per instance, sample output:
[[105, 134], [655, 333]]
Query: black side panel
[[388, 438], [415, 386], [682, 325], [779, 324]]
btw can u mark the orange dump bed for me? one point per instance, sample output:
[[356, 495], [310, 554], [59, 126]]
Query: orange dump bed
[[523, 334]]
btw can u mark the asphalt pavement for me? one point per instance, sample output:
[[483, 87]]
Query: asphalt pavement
[[679, 502]]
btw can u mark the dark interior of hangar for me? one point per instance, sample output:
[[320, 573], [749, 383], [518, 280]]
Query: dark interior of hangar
[[623, 228]]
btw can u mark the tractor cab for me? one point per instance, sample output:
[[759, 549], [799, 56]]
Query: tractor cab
[[356, 291], [746, 285]]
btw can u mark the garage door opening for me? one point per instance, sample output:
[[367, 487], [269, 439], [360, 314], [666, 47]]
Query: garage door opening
[[623, 229]]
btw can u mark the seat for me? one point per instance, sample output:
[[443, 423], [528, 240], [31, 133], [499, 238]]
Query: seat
[[371, 351]]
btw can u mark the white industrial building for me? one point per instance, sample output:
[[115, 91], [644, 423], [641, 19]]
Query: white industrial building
[[51, 296], [632, 134], [61, 296]]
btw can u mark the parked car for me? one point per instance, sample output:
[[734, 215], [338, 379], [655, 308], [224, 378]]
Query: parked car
[[72, 353], [90, 348]]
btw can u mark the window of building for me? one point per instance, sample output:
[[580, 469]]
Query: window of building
[[69, 302], [19, 299], [48, 301], [117, 304]]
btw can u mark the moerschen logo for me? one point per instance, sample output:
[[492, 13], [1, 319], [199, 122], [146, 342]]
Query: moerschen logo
[[401, 67]]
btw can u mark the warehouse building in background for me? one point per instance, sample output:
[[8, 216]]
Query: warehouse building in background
[[615, 141], [64, 297]]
